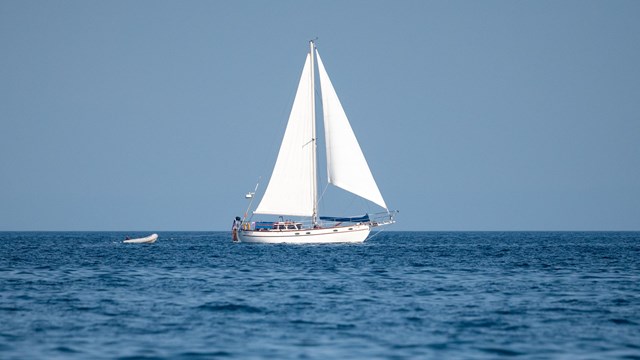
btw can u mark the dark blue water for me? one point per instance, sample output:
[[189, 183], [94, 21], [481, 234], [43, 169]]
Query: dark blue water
[[400, 295]]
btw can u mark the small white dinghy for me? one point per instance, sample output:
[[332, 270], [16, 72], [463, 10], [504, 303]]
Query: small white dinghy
[[145, 240]]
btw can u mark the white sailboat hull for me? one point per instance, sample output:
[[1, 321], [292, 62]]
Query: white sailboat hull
[[335, 235]]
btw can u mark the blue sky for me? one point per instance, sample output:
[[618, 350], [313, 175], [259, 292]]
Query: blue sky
[[160, 115]]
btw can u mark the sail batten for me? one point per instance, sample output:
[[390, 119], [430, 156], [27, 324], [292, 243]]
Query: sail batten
[[347, 167]]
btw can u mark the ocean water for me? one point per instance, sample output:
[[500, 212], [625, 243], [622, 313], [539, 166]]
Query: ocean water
[[400, 295]]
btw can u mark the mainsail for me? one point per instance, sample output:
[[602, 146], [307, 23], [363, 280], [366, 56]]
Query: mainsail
[[346, 166], [291, 187]]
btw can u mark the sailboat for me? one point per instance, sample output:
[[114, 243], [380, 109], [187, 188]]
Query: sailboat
[[292, 190]]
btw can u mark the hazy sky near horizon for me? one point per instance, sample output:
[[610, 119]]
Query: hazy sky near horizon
[[473, 115]]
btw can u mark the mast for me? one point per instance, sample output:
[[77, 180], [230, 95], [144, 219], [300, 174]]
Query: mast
[[314, 176]]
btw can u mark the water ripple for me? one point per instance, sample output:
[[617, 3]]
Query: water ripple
[[401, 295]]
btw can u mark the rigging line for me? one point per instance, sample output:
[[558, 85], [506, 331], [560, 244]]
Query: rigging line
[[321, 195], [376, 234]]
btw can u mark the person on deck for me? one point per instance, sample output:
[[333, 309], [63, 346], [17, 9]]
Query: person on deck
[[237, 222]]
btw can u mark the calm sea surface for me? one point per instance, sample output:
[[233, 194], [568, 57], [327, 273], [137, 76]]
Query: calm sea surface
[[400, 295]]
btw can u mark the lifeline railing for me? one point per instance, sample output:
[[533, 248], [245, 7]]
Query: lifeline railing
[[375, 219], [383, 218]]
